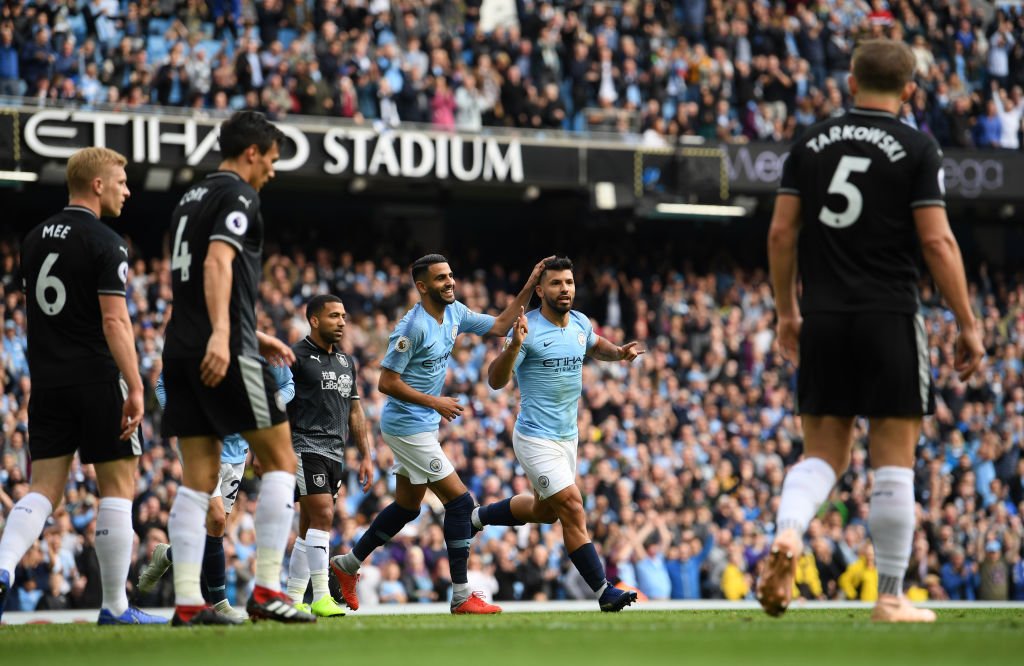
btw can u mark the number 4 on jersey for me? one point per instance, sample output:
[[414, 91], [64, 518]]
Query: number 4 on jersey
[[844, 188], [181, 259]]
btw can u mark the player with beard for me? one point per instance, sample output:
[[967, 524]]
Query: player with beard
[[325, 415], [546, 350], [412, 376]]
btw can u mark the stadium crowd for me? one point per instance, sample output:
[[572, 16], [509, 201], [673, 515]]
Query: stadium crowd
[[681, 454], [728, 70]]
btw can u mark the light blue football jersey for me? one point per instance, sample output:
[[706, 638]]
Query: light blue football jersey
[[549, 370], [418, 350], [235, 448]]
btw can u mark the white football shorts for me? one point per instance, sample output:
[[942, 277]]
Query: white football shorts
[[549, 464], [227, 484], [419, 457]]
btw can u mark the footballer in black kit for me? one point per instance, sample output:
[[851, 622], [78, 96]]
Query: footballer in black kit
[[325, 386], [859, 178], [222, 207], [77, 389]]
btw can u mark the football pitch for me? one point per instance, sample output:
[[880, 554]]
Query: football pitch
[[818, 637]]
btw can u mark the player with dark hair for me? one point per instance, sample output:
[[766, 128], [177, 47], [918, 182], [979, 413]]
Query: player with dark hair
[[86, 388], [546, 349], [217, 383], [860, 196], [325, 416], [412, 376]]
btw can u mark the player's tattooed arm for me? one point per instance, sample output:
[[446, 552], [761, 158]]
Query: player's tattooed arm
[[360, 435], [606, 350], [500, 372]]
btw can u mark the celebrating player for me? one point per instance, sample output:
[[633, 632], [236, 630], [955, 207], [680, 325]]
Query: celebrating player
[[546, 350], [859, 195], [234, 451], [216, 383], [325, 415], [412, 376], [75, 269]]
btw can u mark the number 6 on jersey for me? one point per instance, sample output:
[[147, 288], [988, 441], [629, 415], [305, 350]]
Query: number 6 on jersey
[[844, 188]]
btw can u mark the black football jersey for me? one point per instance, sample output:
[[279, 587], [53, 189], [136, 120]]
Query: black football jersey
[[67, 262], [325, 386], [859, 178], [221, 207]]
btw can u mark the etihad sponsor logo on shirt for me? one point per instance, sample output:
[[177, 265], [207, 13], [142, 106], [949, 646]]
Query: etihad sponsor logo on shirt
[[436, 363], [563, 364]]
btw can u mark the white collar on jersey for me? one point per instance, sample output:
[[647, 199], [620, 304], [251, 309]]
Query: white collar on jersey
[[309, 341], [81, 209]]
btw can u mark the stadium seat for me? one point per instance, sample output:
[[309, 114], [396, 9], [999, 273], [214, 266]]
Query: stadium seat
[[157, 48], [158, 26], [287, 36]]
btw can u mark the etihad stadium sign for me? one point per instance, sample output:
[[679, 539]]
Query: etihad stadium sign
[[159, 140]]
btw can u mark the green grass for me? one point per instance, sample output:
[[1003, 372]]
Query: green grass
[[821, 638]]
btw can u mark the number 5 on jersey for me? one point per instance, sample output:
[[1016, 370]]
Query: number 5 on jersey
[[844, 188], [181, 259]]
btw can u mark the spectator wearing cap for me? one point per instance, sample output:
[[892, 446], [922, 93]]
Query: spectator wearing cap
[[994, 574]]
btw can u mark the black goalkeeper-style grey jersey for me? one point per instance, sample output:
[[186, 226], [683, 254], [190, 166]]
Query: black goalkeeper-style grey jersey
[[325, 386]]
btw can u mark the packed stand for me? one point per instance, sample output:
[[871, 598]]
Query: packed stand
[[681, 454], [727, 70]]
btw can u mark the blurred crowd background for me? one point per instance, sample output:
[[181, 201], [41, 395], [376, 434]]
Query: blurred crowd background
[[729, 70], [682, 453]]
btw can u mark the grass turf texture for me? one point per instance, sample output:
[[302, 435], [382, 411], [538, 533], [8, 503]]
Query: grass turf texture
[[818, 637]]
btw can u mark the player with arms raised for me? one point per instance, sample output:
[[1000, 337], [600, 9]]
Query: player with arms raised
[[216, 383], [546, 350], [412, 376], [860, 194]]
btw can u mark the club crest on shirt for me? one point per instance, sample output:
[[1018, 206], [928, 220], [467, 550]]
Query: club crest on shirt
[[544, 482], [342, 360], [435, 465], [455, 331], [582, 340], [320, 480], [402, 344]]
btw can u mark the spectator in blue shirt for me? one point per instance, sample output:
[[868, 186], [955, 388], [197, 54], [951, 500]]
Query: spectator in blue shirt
[[960, 577], [37, 60], [10, 83], [685, 571], [989, 129]]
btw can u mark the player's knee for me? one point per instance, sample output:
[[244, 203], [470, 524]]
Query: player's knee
[[570, 509], [215, 521], [321, 517]]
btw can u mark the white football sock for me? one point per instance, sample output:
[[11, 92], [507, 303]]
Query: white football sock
[[350, 563], [114, 538], [274, 515], [187, 529], [805, 489], [891, 524], [24, 525], [298, 572], [317, 542]]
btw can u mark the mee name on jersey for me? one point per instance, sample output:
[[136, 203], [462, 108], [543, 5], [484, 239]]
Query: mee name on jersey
[[68, 262], [549, 370], [325, 386], [419, 350], [859, 178], [222, 207]]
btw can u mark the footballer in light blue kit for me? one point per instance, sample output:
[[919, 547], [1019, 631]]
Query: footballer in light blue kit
[[546, 350], [412, 376], [233, 454]]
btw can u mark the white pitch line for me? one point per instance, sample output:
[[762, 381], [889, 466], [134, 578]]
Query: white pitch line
[[89, 616]]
